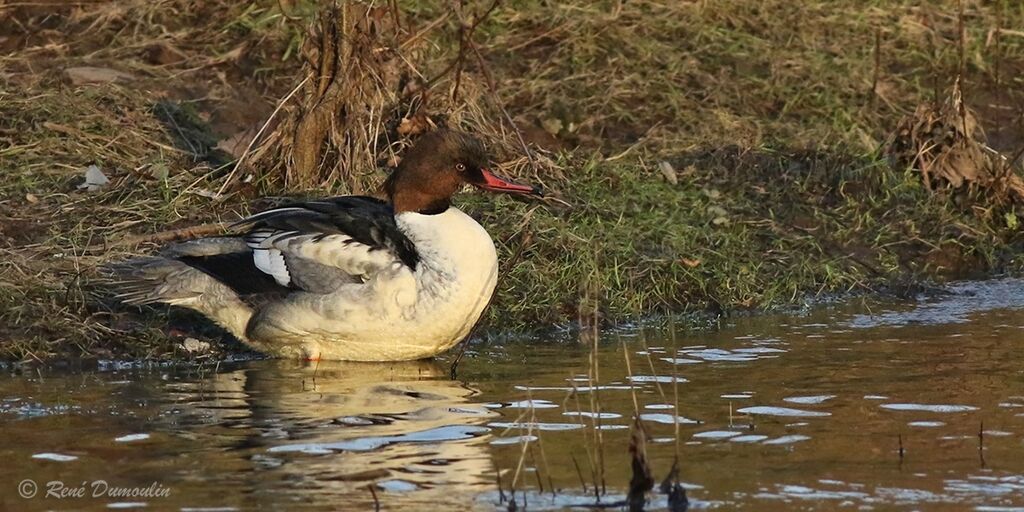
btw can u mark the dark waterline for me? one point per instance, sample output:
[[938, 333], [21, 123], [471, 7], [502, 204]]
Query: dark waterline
[[774, 413]]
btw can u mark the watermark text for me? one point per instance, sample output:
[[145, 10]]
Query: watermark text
[[57, 489]]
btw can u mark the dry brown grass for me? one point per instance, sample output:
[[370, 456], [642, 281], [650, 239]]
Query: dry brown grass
[[945, 144], [675, 75], [369, 85]]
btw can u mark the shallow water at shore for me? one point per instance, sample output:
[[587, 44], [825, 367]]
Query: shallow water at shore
[[782, 412]]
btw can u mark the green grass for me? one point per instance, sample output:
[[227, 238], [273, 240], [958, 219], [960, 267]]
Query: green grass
[[764, 109], [748, 231]]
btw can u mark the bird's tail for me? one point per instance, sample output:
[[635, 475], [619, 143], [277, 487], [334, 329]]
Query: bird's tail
[[169, 280]]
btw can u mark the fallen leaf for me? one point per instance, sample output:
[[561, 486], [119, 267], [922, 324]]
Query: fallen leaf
[[94, 179], [192, 345], [415, 125], [159, 171], [236, 144], [668, 172], [552, 126], [163, 53], [67, 130], [202, 192], [717, 211], [93, 75]]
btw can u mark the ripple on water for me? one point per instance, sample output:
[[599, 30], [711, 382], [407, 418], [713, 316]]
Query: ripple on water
[[807, 400], [535, 426], [580, 389], [358, 421], [809, 493], [749, 438], [34, 410], [681, 360], [397, 485], [659, 406], [965, 299], [364, 444], [56, 457], [588, 414], [990, 485], [656, 378], [759, 350], [717, 354], [667, 419], [531, 404], [716, 434], [513, 440], [929, 407], [131, 437], [927, 424], [790, 439], [782, 411]]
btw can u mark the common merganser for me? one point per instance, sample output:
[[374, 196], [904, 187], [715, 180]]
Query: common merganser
[[346, 278]]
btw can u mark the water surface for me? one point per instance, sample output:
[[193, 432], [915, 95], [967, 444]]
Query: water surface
[[868, 406]]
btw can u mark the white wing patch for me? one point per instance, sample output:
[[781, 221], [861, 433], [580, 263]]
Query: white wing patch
[[271, 262], [266, 257]]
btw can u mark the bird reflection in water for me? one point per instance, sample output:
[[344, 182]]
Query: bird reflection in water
[[332, 428]]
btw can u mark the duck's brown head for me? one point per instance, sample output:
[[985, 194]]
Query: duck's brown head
[[437, 166]]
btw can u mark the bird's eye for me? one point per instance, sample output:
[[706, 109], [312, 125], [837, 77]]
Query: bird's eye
[[460, 167]]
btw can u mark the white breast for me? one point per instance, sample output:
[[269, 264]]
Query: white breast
[[456, 275], [397, 314]]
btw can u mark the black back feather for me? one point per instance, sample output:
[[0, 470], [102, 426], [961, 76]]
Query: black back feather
[[367, 220], [236, 270]]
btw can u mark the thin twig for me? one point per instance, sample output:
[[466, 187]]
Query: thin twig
[[376, 503], [501, 105], [878, 65], [424, 31], [165, 236], [280, 104]]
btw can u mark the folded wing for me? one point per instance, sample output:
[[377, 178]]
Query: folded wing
[[319, 245]]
